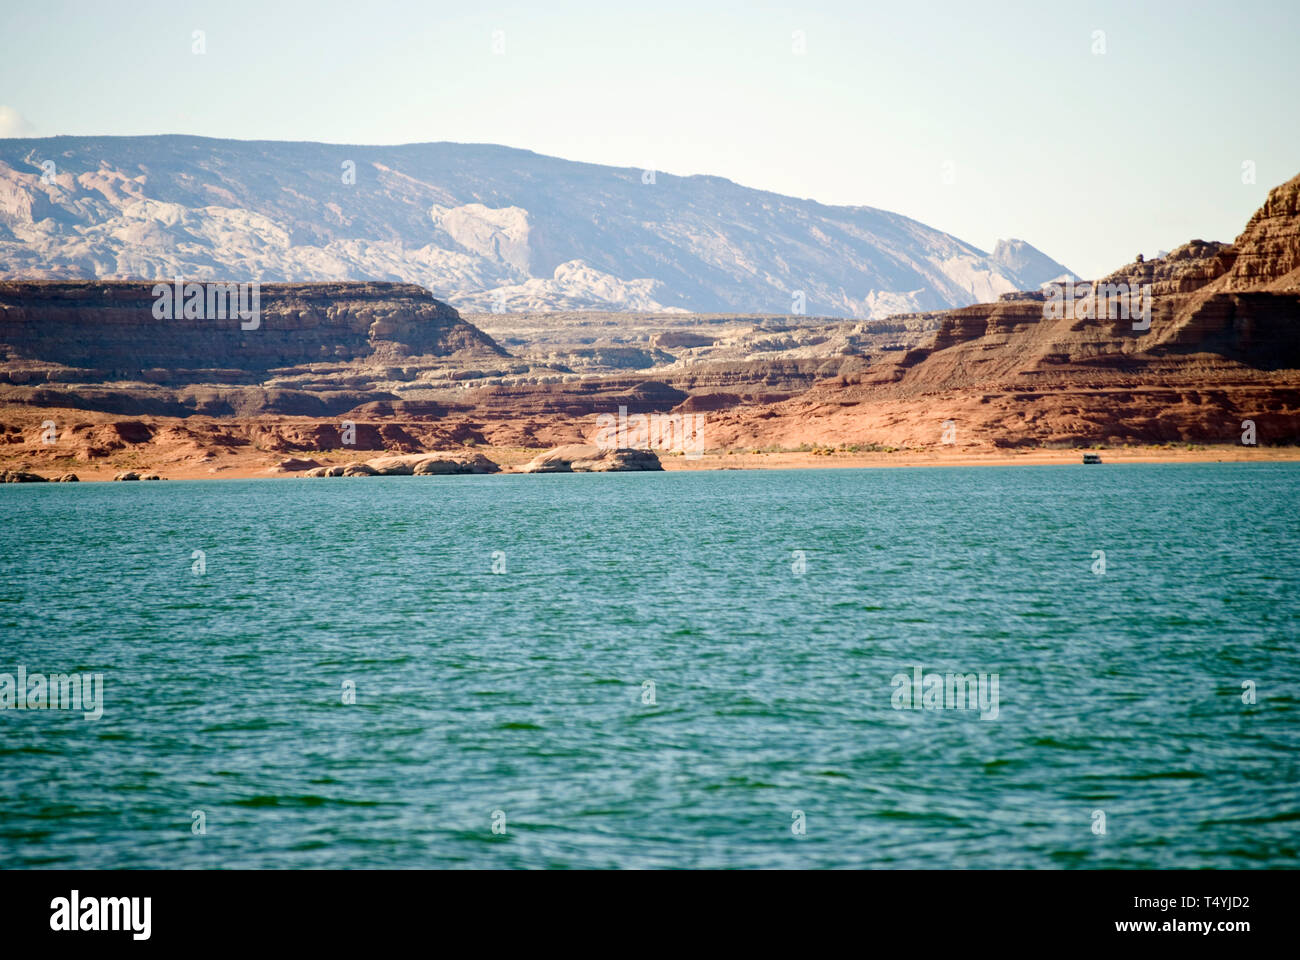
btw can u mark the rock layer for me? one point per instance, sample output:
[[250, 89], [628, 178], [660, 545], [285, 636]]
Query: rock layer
[[1222, 348], [108, 330]]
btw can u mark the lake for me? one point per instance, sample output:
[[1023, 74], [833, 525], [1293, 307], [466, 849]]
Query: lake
[[683, 669]]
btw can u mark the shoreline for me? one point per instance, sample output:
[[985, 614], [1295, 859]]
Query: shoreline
[[781, 460], [260, 464]]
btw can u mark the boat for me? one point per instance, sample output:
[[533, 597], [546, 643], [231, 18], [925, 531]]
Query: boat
[[1092, 458]]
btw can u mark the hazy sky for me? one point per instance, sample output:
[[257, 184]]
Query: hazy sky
[[1092, 157]]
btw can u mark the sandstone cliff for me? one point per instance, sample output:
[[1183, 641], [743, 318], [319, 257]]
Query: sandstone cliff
[[109, 329], [313, 348], [1223, 346]]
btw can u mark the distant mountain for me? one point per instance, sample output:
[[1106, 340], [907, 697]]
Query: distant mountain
[[1029, 266], [483, 227]]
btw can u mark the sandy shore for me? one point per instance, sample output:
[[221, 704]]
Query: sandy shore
[[262, 464], [748, 460], [97, 446]]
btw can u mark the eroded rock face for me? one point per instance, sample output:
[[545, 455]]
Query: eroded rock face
[[109, 329], [1223, 346], [432, 465], [1183, 270], [414, 464], [176, 401], [316, 349], [560, 459], [588, 458], [21, 476], [756, 359], [578, 399], [616, 461], [1267, 254], [391, 466]]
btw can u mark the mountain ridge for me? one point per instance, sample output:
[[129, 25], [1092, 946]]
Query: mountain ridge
[[484, 227]]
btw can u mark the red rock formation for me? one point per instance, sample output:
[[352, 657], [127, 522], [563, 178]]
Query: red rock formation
[[109, 331], [1223, 346], [1267, 254]]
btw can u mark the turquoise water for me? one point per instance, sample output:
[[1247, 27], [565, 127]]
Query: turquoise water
[[522, 693]]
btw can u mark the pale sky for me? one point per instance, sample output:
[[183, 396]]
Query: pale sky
[[1090, 156]]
